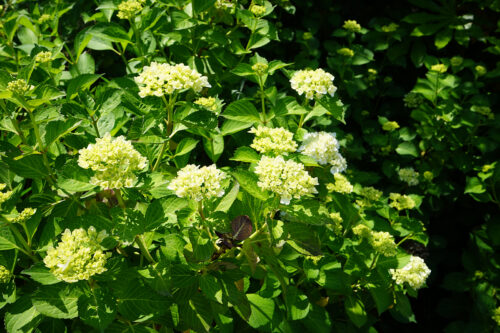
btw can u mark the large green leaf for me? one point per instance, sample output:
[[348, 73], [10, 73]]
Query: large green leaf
[[355, 310], [22, 316], [243, 111], [97, 308], [262, 311], [248, 182], [30, 166], [41, 274], [57, 301]]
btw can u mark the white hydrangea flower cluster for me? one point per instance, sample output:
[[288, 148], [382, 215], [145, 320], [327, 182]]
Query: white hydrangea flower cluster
[[198, 183], [19, 86], [129, 9], [209, 103], [313, 83], [324, 148], [4, 196], [273, 140], [113, 161], [5, 274], [26, 214], [288, 179], [44, 56], [165, 79], [78, 256], [341, 185], [409, 176], [414, 273]]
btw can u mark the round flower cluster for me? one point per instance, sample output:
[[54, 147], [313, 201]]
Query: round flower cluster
[[456, 61], [224, 5], [337, 223], [198, 183], [113, 161], [129, 9], [78, 256], [439, 68], [370, 195], [288, 179], [346, 52], [414, 273], [383, 243], [5, 274], [43, 18], [260, 68], [390, 126], [401, 202], [4, 196], [496, 316], [409, 176], [413, 100], [44, 56], [19, 86], [352, 26], [362, 231], [313, 83], [323, 147], [480, 70], [258, 10], [24, 215], [273, 140], [165, 79], [390, 27], [209, 103], [341, 185]]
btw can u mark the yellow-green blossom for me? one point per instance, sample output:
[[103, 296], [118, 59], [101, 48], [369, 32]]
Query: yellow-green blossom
[[209, 103], [337, 223], [323, 147], [346, 52], [19, 86], [414, 273], [370, 195], [164, 79], [273, 140], [4, 196], [224, 5], [439, 68], [341, 185], [390, 27], [43, 18], [5, 274], [496, 316], [390, 126], [288, 179], [401, 202], [26, 214], [383, 243], [480, 70], [113, 160], [78, 256], [313, 83], [258, 10], [129, 9], [260, 68], [456, 61], [409, 176], [44, 56], [352, 26], [362, 231], [413, 100], [428, 175], [198, 183]]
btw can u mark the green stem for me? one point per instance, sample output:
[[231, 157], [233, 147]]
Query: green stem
[[168, 130], [41, 147], [94, 123], [137, 37], [401, 241], [262, 100], [119, 197], [374, 261], [18, 130], [139, 239], [27, 249]]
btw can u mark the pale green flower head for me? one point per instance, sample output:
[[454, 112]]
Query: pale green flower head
[[287, 179], [209, 103], [260, 68], [5, 275], [480, 70], [390, 126], [4, 196], [198, 183], [401, 202], [258, 10], [25, 215], [496, 316], [341, 185], [371, 193], [352, 25], [78, 256], [113, 160], [346, 52], [43, 18], [415, 273], [390, 27], [413, 100], [277, 141], [439, 68], [19, 86], [383, 243], [313, 83], [362, 231], [44, 56], [129, 9], [224, 5], [456, 61], [337, 223], [165, 79], [409, 176]]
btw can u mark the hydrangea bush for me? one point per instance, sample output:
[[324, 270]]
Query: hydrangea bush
[[159, 173]]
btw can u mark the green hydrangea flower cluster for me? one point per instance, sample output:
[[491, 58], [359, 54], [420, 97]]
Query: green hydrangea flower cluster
[[78, 256], [5, 274], [26, 214], [409, 176], [19, 86], [313, 83], [209, 103], [260, 68], [346, 52], [439, 68], [390, 126], [337, 223], [401, 201], [341, 185], [352, 26], [381, 241], [370, 195], [129, 9], [224, 5], [165, 79], [258, 10], [198, 183], [113, 161], [413, 100], [4, 196], [288, 179], [43, 18], [414, 273], [44, 56], [273, 140], [390, 27], [496, 316]]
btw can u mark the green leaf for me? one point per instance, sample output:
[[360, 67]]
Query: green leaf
[[382, 297], [22, 316], [248, 182], [307, 211], [443, 37], [182, 276], [245, 154], [203, 247], [214, 147], [297, 303], [228, 199], [211, 288], [7, 239], [97, 308], [232, 126], [407, 148], [262, 311], [474, 185], [57, 301], [30, 166], [80, 83], [41, 274], [7, 293], [355, 310], [243, 111], [334, 107], [201, 5], [303, 239], [111, 32], [185, 146], [289, 105], [59, 128]]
